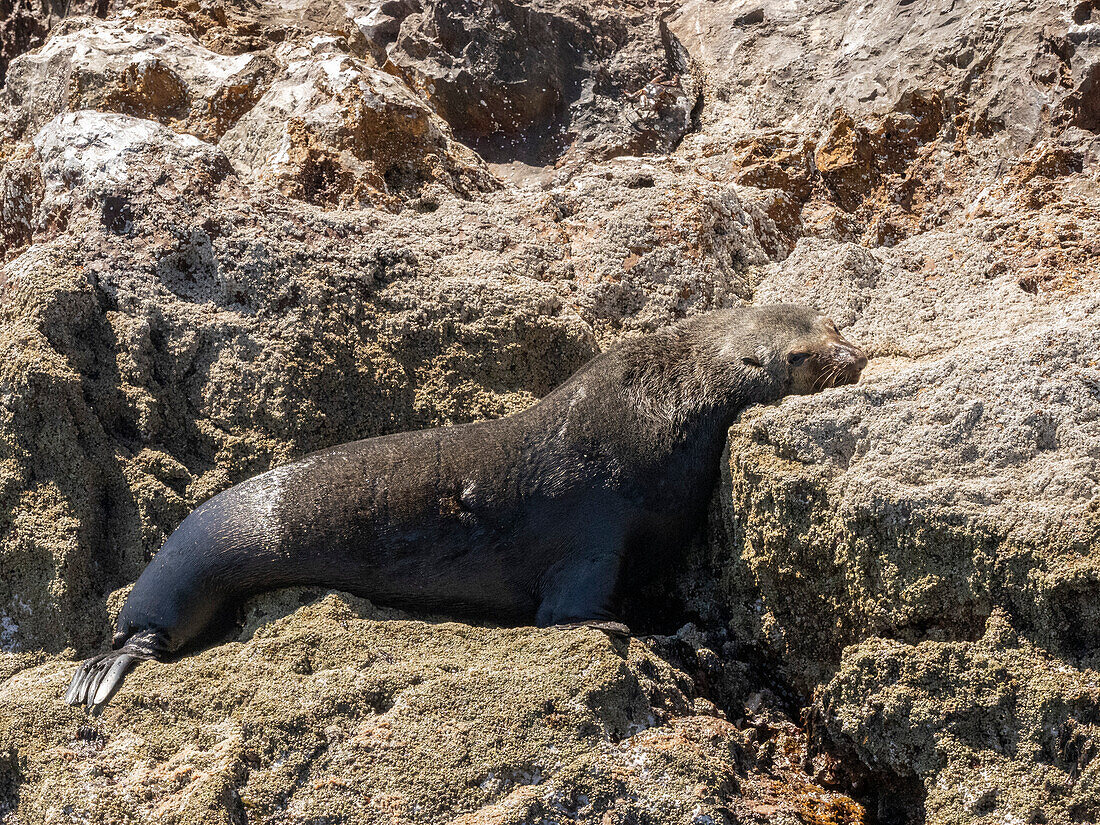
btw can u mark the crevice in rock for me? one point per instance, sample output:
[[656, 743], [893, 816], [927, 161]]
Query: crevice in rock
[[24, 26], [888, 797], [680, 62], [10, 780]]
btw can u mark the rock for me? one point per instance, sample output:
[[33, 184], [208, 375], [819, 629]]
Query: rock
[[434, 722], [650, 243], [114, 159], [1019, 741], [144, 68], [901, 149], [332, 130], [957, 481], [21, 191], [24, 26], [234, 234], [527, 79], [846, 161]]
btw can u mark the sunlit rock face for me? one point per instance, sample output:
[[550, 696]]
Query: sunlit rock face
[[230, 235]]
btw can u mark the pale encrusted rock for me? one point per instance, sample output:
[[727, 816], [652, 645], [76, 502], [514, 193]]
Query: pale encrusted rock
[[959, 479], [115, 158], [24, 25], [333, 130], [21, 191], [144, 68], [650, 243], [911, 112]]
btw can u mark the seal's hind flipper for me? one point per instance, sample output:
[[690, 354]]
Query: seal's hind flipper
[[99, 678]]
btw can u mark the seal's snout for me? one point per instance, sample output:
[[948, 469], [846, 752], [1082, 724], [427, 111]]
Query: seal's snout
[[849, 355], [838, 361], [844, 363]]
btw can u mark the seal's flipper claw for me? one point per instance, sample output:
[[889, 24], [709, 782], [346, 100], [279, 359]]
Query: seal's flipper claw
[[70, 694], [99, 678], [111, 681], [80, 681], [93, 682], [612, 628]]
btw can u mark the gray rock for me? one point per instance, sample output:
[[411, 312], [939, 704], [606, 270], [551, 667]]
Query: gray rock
[[112, 158], [959, 479], [333, 130]]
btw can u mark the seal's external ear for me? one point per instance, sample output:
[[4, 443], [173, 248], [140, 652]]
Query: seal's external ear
[[751, 362]]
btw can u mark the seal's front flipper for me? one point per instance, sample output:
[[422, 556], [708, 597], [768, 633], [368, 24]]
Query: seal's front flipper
[[100, 677], [611, 628]]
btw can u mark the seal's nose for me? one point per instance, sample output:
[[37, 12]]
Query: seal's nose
[[849, 355]]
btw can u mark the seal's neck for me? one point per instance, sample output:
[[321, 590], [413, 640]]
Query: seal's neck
[[684, 391]]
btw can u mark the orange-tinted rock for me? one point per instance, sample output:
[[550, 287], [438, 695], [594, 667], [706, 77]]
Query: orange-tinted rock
[[845, 159]]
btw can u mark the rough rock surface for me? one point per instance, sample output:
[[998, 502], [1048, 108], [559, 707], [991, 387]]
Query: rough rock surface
[[24, 24], [531, 81], [403, 721], [235, 233], [331, 129], [149, 69], [920, 553]]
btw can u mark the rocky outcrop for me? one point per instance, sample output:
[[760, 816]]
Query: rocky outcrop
[[402, 719], [531, 81], [958, 482], [918, 554], [982, 731], [233, 234], [332, 130], [23, 26], [148, 69]]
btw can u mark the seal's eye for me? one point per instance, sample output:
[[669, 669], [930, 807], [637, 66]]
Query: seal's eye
[[751, 362], [797, 358]]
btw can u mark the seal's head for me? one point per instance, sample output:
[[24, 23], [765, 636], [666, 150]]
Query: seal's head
[[811, 354]]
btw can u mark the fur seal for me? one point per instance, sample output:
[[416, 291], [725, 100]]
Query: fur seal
[[521, 519]]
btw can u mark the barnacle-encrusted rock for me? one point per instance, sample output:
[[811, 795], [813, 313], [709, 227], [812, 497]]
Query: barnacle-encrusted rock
[[981, 731]]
